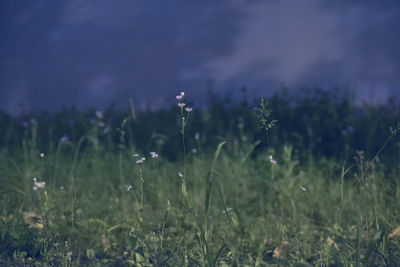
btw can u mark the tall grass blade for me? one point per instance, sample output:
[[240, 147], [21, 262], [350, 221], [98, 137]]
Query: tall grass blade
[[358, 240], [209, 183]]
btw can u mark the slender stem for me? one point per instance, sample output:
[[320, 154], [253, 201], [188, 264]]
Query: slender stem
[[141, 193], [380, 150]]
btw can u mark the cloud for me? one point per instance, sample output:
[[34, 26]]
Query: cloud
[[313, 43], [91, 52], [280, 39]]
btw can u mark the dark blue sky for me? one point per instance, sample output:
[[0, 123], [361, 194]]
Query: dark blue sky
[[93, 52]]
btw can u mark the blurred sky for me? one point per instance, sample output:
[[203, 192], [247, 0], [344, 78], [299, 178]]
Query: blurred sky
[[94, 52]]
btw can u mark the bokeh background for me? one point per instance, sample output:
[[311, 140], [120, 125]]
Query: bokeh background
[[94, 53]]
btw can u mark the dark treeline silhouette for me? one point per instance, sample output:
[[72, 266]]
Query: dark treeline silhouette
[[317, 122]]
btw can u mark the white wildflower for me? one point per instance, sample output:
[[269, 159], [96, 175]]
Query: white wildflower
[[272, 160], [37, 185], [140, 160]]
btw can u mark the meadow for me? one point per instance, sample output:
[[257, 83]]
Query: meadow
[[310, 180]]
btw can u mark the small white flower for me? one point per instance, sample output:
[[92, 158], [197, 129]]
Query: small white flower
[[62, 187], [197, 136], [179, 97], [135, 155], [181, 105], [180, 175], [140, 160], [37, 185], [42, 155], [182, 93], [154, 155], [302, 188], [194, 150], [129, 188], [189, 109], [271, 159], [40, 184]]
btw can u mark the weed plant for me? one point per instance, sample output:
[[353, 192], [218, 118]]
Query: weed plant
[[96, 189]]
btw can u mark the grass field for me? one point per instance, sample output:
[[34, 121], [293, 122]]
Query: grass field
[[175, 188]]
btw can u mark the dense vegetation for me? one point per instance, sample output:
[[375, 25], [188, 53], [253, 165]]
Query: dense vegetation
[[306, 180]]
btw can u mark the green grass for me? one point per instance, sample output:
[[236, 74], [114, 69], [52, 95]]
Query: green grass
[[239, 213], [230, 206]]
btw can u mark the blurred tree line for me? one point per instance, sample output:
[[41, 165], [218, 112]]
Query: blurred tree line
[[316, 122]]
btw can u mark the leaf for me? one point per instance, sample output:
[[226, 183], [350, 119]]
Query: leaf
[[395, 232], [33, 220], [331, 243], [279, 250]]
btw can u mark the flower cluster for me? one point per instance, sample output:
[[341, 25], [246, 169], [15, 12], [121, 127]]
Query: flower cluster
[[37, 185], [180, 96], [154, 155], [100, 123], [271, 159], [181, 104], [140, 160]]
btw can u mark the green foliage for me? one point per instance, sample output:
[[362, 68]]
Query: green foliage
[[395, 130], [263, 113], [99, 207]]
